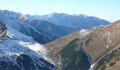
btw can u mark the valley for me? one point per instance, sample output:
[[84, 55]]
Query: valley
[[58, 41], [101, 44]]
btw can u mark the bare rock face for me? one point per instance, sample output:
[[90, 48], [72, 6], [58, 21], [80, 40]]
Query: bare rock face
[[3, 30]]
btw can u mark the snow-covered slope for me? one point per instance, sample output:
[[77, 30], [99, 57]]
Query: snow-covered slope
[[12, 33], [15, 20], [21, 52]]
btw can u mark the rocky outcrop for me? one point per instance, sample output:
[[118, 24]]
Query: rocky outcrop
[[3, 29]]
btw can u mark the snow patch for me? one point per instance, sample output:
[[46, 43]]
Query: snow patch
[[38, 48], [107, 46], [91, 67], [108, 36], [34, 46], [84, 33]]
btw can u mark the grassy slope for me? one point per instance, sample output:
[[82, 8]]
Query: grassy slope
[[109, 60], [72, 59]]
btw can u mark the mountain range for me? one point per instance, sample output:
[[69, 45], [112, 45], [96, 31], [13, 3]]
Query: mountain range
[[55, 41], [74, 21], [49, 25]]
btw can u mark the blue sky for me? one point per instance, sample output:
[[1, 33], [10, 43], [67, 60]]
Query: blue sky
[[105, 9]]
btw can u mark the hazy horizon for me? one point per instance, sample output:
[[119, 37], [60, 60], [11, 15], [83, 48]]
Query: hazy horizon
[[104, 9]]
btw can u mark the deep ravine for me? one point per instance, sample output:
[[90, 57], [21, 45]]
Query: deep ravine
[[88, 56]]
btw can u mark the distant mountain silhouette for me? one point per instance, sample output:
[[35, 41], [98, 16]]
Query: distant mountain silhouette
[[73, 21]]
